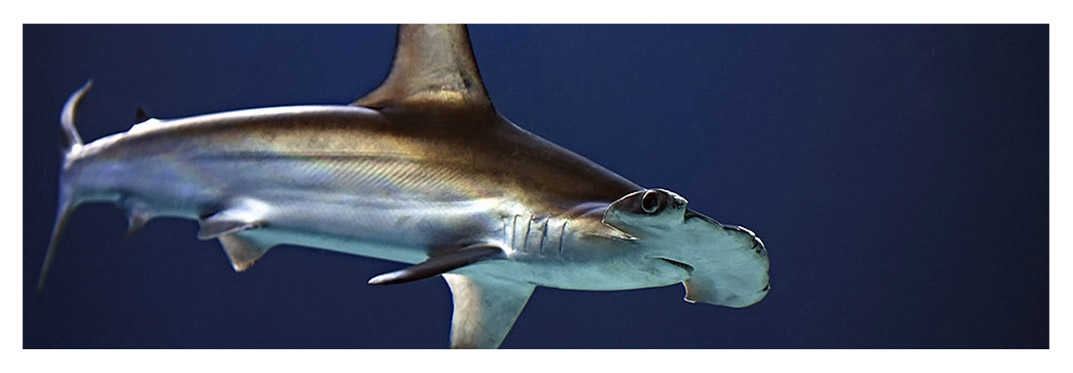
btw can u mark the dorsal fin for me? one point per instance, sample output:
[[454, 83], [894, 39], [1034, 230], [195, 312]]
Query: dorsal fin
[[141, 115], [433, 68]]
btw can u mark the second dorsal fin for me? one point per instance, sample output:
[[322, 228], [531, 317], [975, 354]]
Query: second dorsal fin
[[141, 115], [433, 69]]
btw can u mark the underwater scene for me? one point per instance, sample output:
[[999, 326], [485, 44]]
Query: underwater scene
[[897, 174]]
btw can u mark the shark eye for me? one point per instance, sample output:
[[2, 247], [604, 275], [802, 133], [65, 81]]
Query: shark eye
[[650, 202]]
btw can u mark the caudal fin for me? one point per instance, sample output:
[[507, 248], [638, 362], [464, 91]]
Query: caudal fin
[[64, 211], [71, 139], [72, 144]]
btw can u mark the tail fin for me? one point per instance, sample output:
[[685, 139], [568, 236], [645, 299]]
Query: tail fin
[[72, 144], [64, 211], [71, 139]]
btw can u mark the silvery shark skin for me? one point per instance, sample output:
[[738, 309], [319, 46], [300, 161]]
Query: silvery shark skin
[[420, 171]]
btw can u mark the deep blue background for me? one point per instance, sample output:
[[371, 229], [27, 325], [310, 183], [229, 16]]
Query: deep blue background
[[898, 175]]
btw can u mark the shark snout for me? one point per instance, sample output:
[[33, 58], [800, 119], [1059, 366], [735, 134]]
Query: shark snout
[[678, 202], [757, 243], [733, 271]]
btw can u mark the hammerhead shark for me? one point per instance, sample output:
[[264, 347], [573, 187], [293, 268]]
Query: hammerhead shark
[[423, 171]]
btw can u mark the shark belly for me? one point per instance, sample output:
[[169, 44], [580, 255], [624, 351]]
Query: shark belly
[[392, 208]]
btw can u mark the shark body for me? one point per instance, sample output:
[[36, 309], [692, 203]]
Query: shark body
[[423, 171]]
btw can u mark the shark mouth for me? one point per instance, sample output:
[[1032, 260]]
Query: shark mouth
[[678, 264]]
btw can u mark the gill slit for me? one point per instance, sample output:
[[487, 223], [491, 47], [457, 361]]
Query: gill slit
[[506, 234], [525, 242], [513, 232], [561, 235], [544, 234]]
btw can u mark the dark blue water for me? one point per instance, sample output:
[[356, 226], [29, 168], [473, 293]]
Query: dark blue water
[[897, 174]]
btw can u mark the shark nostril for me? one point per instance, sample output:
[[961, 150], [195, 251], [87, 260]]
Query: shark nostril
[[766, 287]]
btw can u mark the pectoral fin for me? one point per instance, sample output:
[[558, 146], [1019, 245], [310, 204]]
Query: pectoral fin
[[440, 263], [485, 309]]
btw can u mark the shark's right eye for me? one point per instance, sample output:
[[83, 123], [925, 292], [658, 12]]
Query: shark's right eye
[[650, 202]]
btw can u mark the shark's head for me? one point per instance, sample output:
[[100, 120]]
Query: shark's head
[[728, 263]]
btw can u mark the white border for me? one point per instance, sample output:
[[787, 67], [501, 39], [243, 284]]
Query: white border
[[551, 11]]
